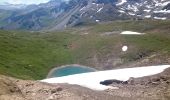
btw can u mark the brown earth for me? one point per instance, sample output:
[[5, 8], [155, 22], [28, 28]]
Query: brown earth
[[14, 89]]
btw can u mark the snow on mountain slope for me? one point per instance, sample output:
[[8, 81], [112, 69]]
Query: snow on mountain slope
[[106, 10], [87, 11], [121, 2]]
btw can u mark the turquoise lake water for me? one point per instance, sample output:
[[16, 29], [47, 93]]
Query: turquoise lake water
[[70, 70]]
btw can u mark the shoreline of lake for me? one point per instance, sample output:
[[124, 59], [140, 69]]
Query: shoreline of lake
[[64, 66]]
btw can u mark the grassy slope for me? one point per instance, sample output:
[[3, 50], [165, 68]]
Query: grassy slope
[[28, 55], [157, 40], [31, 55]]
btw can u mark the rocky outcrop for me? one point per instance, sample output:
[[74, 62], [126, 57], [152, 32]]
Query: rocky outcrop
[[156, 87], [15, 89], [9, 90]]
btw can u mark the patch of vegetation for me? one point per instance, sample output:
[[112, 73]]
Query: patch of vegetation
[[31, 55], [148, 44], [139, 26]]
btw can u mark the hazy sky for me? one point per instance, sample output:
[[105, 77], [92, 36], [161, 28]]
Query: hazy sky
[[24, 1]]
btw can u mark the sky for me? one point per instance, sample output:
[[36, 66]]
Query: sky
[[23, 1]]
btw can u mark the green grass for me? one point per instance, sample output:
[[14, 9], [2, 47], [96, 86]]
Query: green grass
[[147, 44], [29, 55]]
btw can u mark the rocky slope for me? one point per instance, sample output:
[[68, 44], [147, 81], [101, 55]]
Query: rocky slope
[[14, 89], [105, 10], [156, 87], [58, 14]]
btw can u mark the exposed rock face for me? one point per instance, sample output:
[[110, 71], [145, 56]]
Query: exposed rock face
[[14, 89], [9, 90]]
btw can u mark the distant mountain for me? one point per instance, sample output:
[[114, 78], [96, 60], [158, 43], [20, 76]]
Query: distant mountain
[[58, 14], [7, 6]]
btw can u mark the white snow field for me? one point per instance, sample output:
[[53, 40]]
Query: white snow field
[[131, 33], [92, 80]]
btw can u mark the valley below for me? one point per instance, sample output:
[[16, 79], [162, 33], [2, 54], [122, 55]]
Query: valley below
[[29, 56]]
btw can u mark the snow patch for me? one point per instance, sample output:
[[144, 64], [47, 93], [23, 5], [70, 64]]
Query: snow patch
[[92, 80], [160, 18], [83, 8], [131, 14], [162, 11], [124, 48], [121, 11], [147, 10], [100, 9], [162, 3], [131, 33], [121, 3], [148, 16], [97, 20], [165, 3]]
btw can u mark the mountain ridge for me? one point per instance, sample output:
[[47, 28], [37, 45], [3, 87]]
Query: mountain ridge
[[48, 16]]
